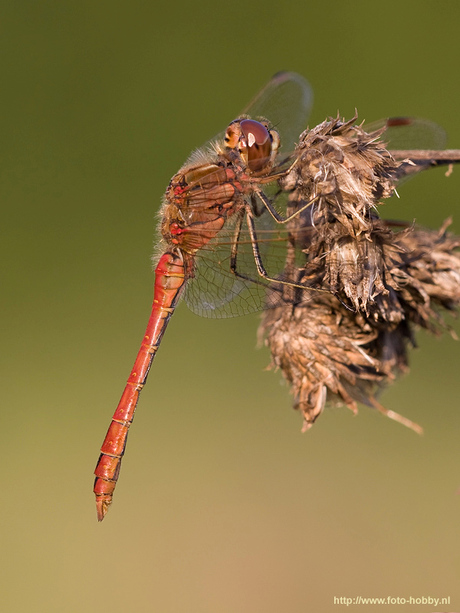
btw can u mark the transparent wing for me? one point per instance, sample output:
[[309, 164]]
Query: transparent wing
[[216, 291], [402, 133], [286, 101]]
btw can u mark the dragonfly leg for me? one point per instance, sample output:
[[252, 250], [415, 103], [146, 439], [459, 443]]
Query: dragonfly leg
[[274, 213], [258, 206], [234, 252], [258, 259], [236, 238]]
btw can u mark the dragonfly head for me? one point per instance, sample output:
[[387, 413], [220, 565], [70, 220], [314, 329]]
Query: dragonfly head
[[255, 143]]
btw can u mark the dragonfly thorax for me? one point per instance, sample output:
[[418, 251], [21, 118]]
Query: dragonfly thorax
[[197, 203]]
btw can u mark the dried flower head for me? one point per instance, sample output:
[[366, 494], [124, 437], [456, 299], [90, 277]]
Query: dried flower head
[[383, 278]]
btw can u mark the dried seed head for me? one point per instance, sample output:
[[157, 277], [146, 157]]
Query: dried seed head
[[343, 346]]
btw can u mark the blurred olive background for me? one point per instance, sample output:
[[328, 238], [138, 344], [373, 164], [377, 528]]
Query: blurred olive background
[[223, 505]]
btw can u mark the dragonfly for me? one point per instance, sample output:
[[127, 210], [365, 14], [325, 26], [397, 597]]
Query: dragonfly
[[216, 194], [224, 231]]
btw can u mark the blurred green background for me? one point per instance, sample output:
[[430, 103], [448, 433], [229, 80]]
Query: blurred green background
[[223, 506]]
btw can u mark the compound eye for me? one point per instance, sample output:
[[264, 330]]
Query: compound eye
[[258, 143]]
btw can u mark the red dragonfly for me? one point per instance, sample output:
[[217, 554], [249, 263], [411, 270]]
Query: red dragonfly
[[217, 193], [218, 248]]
